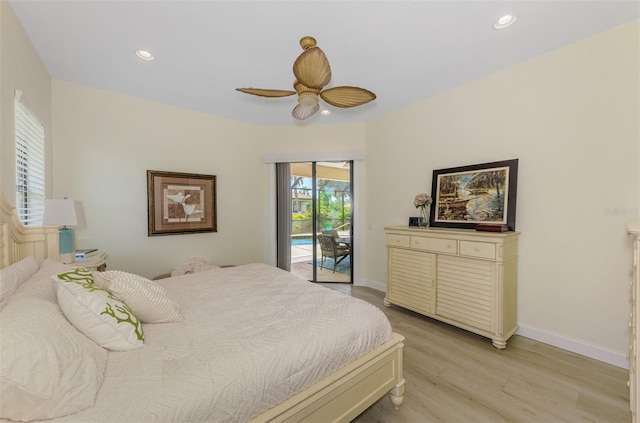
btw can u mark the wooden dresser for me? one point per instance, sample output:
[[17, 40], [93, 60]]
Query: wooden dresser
[[461, 277], [634, 322]]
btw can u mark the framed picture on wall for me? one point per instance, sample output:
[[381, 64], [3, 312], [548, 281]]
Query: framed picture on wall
[[481, 194], [180, 203]]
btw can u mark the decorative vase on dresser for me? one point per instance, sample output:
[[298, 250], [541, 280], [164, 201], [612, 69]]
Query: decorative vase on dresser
[[424, 217], [634, 322], [459, 276]]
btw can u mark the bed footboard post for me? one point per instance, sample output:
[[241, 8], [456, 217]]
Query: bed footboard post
[[396, 395]]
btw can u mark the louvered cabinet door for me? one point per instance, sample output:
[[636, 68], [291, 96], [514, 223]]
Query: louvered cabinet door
[[411, 279], [464, 291]]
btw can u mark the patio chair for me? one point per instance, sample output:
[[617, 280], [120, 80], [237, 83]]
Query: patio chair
[[331, 232], [336, 236], [331, 249]]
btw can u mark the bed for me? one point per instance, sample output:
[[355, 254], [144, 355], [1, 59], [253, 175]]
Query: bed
[[251, 343]]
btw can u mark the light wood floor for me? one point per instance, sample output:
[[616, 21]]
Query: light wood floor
[[305, 270], [456, 376]]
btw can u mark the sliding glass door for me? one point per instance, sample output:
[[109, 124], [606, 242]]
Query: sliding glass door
[[320, 236]]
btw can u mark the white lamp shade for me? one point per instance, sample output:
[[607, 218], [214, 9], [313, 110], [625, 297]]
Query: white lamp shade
[[63, 212]]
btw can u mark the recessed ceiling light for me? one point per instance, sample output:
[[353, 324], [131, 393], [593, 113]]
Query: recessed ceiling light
[[145, 55], [325, 112], [505, 21]]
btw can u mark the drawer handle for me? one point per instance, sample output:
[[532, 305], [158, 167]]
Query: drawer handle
[[449, 245], [476, 249]]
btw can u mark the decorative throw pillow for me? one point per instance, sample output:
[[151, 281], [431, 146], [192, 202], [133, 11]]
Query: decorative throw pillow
[[151, 302], [97, 313], [15, 275], [48, 368]]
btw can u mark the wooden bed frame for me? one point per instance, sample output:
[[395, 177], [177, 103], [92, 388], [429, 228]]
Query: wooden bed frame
[[339, 397], [18, 242]]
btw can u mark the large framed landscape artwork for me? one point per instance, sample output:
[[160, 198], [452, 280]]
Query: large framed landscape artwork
[[180, 203], [481, 194]]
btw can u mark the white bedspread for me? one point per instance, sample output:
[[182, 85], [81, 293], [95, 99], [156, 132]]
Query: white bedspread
[[252, 336]]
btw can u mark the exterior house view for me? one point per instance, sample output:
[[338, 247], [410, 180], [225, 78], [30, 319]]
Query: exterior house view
[[570, 115], [301, 202]]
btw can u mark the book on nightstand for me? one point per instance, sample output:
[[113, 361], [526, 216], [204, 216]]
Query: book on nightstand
[[492, 228], [82, 254]]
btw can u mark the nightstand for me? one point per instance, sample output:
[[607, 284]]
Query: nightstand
[[96, 261]]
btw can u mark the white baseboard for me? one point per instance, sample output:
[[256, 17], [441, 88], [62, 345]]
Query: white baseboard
[[371, 284], [597, 352]]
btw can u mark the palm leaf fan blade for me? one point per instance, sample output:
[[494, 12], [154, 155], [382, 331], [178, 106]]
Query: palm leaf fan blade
[[347, 96], [312, 68], [266, 92]]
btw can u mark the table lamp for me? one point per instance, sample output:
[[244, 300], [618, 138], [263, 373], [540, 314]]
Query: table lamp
[[64, 212]]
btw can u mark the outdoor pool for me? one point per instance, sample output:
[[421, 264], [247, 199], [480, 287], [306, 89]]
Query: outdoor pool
[[300, 241]]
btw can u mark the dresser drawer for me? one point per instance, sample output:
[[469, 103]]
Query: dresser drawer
[[394, 240], [435, 244], [478, 249]]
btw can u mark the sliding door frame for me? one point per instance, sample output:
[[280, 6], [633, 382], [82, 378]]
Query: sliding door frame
[[271, 215], [314, 220]]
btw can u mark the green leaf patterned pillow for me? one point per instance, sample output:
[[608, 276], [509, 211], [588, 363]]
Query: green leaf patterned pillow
[[97, 313]]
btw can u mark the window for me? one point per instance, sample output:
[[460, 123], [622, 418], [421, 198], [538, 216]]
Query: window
[[29, 166]]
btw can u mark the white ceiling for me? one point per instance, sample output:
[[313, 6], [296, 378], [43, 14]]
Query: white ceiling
[[404, 51]]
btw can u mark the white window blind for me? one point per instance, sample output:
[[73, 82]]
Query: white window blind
[[29, 166]]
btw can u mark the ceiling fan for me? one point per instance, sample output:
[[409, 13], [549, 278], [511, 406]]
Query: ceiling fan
[[313, 73]]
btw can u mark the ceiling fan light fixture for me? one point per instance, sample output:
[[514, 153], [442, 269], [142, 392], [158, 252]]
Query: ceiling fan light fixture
[[505, 21], [308, 99], [303, 112]]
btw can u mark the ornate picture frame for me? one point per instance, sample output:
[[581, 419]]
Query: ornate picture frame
[[466, 196], [180, 203]]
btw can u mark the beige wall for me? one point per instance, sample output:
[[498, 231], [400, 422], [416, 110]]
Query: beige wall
[[314, 139], [571, 118], [105, 143], [20, 69]]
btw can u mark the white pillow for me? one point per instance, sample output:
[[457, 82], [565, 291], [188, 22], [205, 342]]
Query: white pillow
[[151, 302], [40, 285], [48, 368], [98, 313], [15, 275]]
